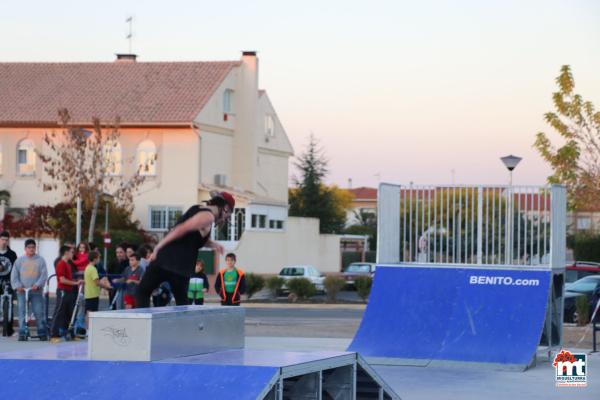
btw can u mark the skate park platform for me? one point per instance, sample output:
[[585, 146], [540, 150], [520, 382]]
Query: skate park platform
[[235, 373]]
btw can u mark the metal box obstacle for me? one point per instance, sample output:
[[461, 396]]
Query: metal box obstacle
[[466, 274], [147, 334]]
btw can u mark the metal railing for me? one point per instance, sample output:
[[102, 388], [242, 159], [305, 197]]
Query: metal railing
[[479, 225]]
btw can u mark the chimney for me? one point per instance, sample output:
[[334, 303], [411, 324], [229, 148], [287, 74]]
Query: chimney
[[349, 183], [126, 58]]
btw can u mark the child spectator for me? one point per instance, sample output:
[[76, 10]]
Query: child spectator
[[80, 259], [100, 264], [93, 284], [198, 284], [132, 276], [145, 252], [66, 294], [230, 283], [30, 272]]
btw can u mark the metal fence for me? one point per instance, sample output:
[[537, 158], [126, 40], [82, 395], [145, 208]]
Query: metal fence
[[457, 224]]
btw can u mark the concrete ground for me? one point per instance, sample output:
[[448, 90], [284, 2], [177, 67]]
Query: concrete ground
[[314, 327]]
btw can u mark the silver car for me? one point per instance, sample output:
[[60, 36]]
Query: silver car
[[303, 271]]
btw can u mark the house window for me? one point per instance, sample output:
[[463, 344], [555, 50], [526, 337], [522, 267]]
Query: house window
[[164, 218], [113, 158], [259, 221], [26, 158], [146, 154], [275, 224], [227, 94], [233, 228], [269, 126], [584, 223]]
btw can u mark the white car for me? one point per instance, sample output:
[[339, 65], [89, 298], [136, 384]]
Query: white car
[[303, 271]]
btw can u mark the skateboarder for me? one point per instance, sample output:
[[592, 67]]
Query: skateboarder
[[174, 257]]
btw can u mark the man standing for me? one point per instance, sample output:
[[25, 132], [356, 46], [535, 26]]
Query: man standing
[[115, 271], [30, 272], [7, 260]]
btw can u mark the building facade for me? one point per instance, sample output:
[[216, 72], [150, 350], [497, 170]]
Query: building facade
[[207, 126]]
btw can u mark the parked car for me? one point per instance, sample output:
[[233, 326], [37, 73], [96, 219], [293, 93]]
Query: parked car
[[357, 269], [580, 269], [588, 287], [303, 271]]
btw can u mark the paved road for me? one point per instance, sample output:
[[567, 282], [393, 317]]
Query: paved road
[[303, 322]]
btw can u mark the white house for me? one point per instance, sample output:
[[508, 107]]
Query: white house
[[209, 125]]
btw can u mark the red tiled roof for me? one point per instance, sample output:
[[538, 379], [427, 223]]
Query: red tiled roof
[[137, 92], [364, 193]]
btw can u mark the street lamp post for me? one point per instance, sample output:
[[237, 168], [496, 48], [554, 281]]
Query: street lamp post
[[510, 162], [106, 238]]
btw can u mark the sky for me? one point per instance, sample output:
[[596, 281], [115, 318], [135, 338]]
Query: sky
[[430, 92]]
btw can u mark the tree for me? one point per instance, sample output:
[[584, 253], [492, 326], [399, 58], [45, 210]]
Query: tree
[[366, 224], [312, 198], [60, 219], [577, 162], [81, 163]]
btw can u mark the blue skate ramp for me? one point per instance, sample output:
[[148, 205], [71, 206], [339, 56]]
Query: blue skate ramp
[[69, 379], [423, 314]]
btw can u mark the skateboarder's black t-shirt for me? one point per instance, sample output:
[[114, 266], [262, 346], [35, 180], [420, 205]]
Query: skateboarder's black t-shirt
[[179, 256]]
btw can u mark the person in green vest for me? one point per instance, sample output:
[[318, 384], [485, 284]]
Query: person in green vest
[[198, 284], [231, 282]]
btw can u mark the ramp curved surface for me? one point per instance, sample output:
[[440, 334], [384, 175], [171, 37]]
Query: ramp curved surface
[[420, 314]]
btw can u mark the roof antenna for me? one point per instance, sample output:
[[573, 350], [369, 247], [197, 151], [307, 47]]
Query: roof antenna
[[130, 35]]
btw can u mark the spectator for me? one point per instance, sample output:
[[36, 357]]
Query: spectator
[[93, 284], [80, 259], [30, 273], [115, 270], [130, 249], [231, 283], [198, 284], [100, 264], [145, 252], [132, 276], [7, 260], [65, 294]]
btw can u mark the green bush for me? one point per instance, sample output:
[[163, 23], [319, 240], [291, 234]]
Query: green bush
[[363, 286], [302, 288], [583, 310], [586, 247], [254, 284], [274, 284], [333, 284]]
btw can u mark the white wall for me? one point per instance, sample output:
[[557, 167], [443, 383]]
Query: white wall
[[215, 156], [176, 183], [47, 248], [273, 175], [300, 243]]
